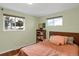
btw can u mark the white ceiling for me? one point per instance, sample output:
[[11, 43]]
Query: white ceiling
[[39, 9]]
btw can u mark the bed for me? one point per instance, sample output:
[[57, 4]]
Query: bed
[[47, 48]]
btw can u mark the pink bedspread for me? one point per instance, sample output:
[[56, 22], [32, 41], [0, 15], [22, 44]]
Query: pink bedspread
[[46, 48]]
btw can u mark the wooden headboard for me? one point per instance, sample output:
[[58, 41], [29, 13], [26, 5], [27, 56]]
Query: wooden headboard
[[75, 35]]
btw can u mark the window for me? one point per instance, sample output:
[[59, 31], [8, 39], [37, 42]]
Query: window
[[13, 23], [57, 21]]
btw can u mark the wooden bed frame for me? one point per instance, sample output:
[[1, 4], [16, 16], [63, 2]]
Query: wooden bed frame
[[70, 34]]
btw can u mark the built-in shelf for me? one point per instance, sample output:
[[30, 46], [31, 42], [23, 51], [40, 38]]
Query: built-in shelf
[[40, 35]]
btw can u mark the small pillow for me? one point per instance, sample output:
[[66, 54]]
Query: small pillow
[[70, 40], [66, 39], [58, 40]]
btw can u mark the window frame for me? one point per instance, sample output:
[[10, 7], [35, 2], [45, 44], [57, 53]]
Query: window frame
[[16, 28], [53, 21]]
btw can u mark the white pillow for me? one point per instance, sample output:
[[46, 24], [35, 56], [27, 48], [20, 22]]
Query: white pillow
[[70, 40]]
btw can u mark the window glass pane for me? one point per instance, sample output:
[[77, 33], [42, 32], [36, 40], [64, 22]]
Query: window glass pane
[[50, 22], [58, 22], [12, 22]]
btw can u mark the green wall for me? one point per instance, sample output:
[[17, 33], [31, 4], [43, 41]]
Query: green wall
[[12, 39], [70, 21]]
